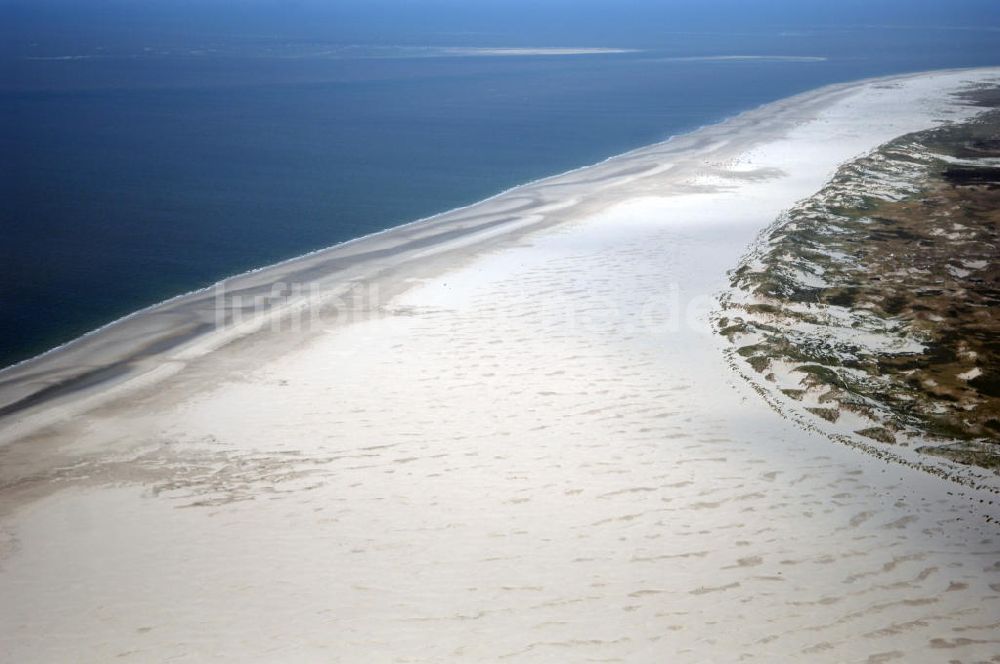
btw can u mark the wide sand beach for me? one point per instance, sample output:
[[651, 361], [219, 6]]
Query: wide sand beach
[[506, 433]]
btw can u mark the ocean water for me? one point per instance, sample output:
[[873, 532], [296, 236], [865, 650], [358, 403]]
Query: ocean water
[[136, 174]]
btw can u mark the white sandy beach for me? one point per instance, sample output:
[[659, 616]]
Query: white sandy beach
[[510, 436]]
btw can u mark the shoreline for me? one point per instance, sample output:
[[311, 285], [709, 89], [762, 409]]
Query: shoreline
[[535, 450], [80, 368]]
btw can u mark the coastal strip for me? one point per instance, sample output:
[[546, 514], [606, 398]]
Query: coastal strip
[[512, 435]]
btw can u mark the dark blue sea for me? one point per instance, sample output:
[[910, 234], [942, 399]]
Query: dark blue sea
[[132, 172]]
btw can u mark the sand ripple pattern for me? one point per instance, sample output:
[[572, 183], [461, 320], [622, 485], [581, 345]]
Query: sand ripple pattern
[[517, 488]]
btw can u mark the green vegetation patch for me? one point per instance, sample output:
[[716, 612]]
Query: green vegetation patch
[[916, 269]]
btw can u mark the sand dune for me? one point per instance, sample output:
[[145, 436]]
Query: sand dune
[[524, 445]]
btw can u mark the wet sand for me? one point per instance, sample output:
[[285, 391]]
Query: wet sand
[[511, 436]]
